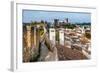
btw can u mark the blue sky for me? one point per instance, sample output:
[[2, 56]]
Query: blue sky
[[74, 17]]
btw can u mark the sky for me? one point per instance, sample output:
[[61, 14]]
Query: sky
[[49, 16]]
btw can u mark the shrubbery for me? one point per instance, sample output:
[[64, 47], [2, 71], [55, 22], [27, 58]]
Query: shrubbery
[[70, 26]]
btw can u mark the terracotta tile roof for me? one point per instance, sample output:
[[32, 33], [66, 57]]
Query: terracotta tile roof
[[65, 53]]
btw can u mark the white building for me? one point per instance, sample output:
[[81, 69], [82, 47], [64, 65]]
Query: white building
[[52, 35], [61, 36]]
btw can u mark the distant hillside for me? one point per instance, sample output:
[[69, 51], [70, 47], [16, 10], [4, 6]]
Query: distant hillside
[[83, 23], [26, 23]]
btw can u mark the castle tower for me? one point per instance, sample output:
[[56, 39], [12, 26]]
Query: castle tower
[[67, 20], [56, 22]]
